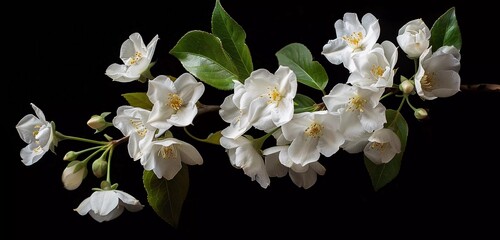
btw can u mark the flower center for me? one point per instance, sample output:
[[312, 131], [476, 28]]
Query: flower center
[[377, 71], [427, 82], [139, 127], [354, 40], [38, 149], [378, 146], [174, 101], [356, 103], [167, 152], [274, 96], [314, 130], [36, 130], [136, 58]]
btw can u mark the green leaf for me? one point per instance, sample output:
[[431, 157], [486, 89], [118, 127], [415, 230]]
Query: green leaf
[[167, 196], [202, 55], [138, 99], [382, 174], [445, 31], [233, 38], [303, 103], [299, 59]]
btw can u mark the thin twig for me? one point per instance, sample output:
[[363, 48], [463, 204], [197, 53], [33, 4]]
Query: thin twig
[[202, 108], [482, 87]]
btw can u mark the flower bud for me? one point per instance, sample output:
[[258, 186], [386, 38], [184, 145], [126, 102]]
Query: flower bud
[[97, 122], [99, 167], [70, 156], [413, 38], [74, 174], [420, 114], [406, 87]]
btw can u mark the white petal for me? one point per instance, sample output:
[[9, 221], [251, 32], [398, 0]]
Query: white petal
[[304, 180], [26, 126], [127, 50], [184, 116], [189, 154], [273, 166], [334, 50], [84, 207], [108, 217], [103, 202], [303, 150]]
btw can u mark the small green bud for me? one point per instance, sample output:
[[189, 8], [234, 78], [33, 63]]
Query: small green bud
[[420, 114], [70, 156], [99, 167], [98, 123], [406, 87]]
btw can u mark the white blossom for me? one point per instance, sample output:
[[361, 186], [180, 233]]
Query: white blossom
[[375, 68], [413, 38], [166, 156], [136, 58], [106, 205], [38, 134], [242, 154], [312, 134], [132, 122], [353, 37], [360, 109], [74, 174], [174, 102], [383, 145], [437, 74]]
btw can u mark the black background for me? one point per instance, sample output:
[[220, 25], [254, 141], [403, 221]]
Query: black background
[[449, 176]]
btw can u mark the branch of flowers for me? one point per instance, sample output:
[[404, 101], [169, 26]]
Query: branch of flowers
[[481, 87], [202, 108]]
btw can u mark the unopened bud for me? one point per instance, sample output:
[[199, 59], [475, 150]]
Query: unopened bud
[[74, 174], [70, 156], [406, 87], [99, 167], [420, 114], [97, 122]]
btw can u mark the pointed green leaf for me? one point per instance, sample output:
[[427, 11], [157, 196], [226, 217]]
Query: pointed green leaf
[[445, 31], [303, 103], [202, 55], [382, 174], [232, 37], [299, 59], [167, 196], [138, 99]]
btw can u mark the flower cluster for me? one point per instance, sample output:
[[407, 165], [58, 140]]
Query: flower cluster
[[351, 116]]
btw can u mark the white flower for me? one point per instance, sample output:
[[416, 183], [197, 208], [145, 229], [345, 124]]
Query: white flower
[[312, 133], [106, 205], [74, 174], [132, 122], [356, 145], [278, 164], [352, 37], [413, 38], [375, 68], [270, 97], [264, 101], [235, 114], [174, 102], [38, 134], [383, 145], [242, 154], [166, 156], [360, 109], [136, 58], [437, 74]]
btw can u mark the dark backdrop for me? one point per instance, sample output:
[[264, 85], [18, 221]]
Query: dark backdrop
[[448, 181]]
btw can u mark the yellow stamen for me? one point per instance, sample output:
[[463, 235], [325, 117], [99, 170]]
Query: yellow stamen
[[274, 96], [379, 146], [140, 129], [167, 152], [174, 101], [314, 130], [354, 40], [377, 71], [356, 103], [427, 82]]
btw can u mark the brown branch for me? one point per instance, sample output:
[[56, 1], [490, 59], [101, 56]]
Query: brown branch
[[482, 87], [202, 108]]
